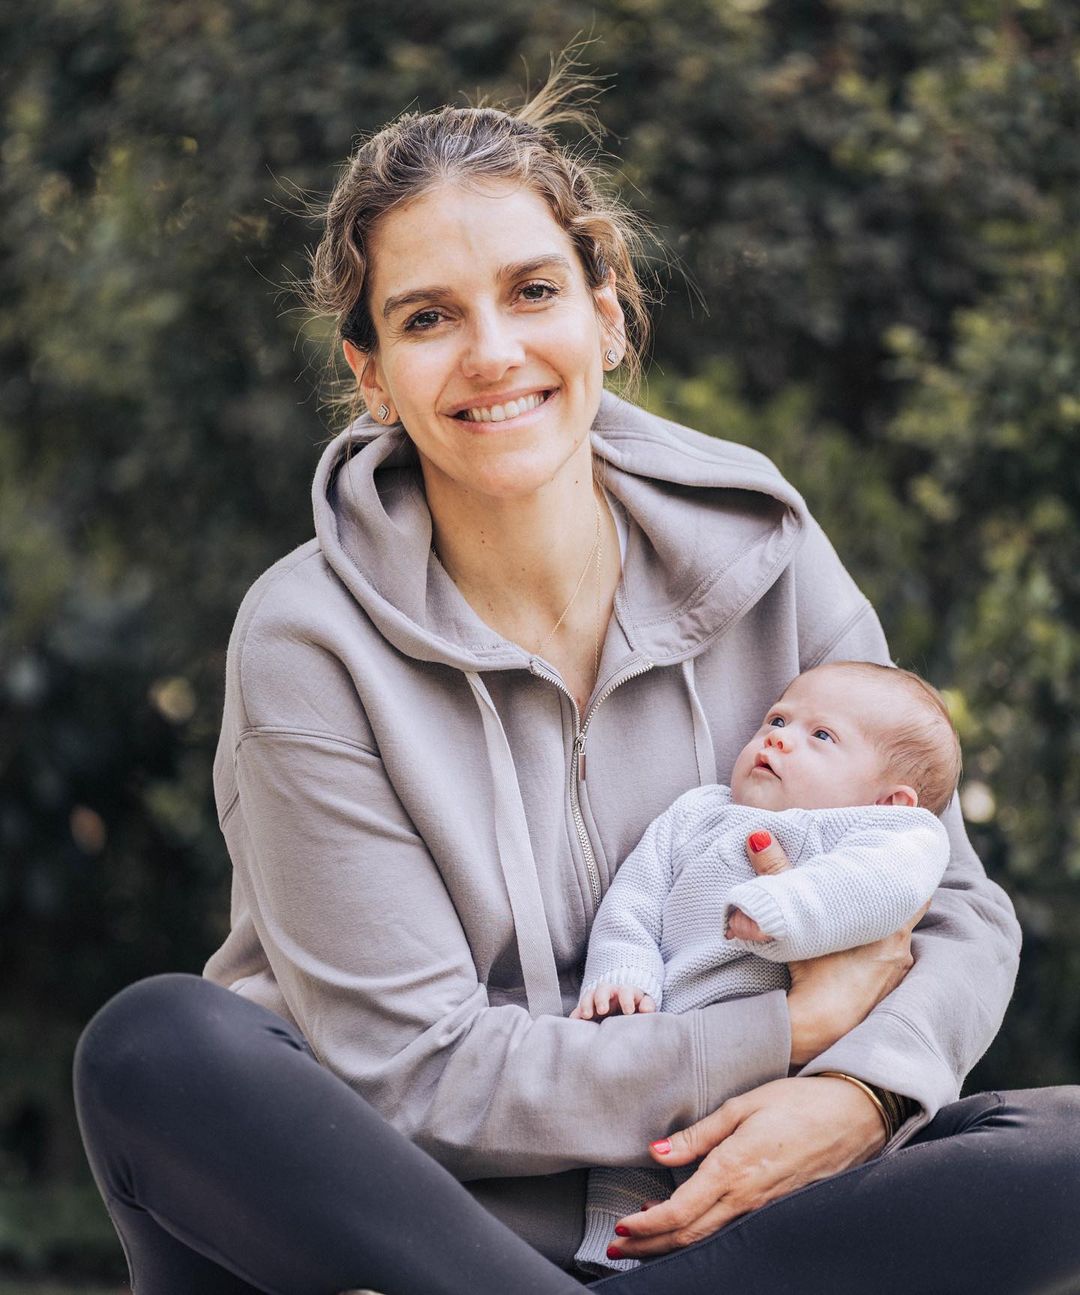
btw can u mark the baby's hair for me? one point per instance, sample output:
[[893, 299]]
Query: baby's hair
[[921, 748]]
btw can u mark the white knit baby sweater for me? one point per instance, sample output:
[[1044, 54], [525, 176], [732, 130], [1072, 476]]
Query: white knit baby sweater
[[859, 874]]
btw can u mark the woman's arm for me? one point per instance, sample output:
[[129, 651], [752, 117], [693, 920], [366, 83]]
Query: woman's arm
[[920, 1041], [925, 1038]]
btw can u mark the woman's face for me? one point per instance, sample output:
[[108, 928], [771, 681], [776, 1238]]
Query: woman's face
[[490, 341]]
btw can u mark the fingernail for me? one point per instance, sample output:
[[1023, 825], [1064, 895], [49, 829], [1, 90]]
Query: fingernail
[[760, 841], [613, 1252], [662, 1147], [620, 1231]]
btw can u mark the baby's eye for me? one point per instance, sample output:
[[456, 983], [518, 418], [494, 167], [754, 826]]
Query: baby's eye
[[777, 721], [824, 735]]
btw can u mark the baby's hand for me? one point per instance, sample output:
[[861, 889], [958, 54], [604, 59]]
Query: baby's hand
[[741, 927], [611, 1000]]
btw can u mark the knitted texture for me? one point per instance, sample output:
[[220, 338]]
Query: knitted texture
[[859, 873]]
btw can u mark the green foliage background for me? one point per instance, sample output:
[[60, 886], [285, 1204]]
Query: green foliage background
[[876, 200]]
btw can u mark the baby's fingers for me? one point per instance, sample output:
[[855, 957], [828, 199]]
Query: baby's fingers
[[628, 999], [584, 1009], [741, 927]]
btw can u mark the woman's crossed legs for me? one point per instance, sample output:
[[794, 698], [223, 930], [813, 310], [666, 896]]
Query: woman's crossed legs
[[232, 1162]]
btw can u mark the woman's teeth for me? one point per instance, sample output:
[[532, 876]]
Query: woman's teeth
[[500, 413]]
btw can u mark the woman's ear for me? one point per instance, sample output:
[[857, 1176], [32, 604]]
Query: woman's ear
[[900, 795], [612, 320], [368, 379]]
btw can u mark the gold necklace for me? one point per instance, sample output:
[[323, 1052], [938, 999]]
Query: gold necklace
[[594, 560]]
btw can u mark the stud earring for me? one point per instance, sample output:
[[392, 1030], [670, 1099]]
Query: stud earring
[[611, 357], [382, 414]]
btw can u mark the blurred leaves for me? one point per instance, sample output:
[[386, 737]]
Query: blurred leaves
[[878, 200]]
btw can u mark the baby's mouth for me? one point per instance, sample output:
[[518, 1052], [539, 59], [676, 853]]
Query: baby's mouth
[[761, 764]]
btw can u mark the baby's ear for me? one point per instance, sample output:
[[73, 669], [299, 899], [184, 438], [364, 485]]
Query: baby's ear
[[901, 795]]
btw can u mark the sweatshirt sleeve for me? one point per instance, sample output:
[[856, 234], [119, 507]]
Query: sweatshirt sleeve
[[370, 955], [624, 946], [875, 878], [930, 1031]]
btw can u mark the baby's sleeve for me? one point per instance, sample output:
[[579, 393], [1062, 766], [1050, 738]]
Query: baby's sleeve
[[866, 886], [624, 946]]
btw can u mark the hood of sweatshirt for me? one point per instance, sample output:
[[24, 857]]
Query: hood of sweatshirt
[[688, 571]]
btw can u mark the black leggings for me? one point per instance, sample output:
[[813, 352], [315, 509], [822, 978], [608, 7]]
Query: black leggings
[[231, 1162]]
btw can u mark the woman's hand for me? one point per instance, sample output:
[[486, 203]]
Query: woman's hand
[[830, 996], [757, 1146]]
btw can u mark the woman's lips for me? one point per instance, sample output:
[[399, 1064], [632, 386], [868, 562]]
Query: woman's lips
[[506, 411]]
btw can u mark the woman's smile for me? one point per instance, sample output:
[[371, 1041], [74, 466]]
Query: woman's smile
[[504, 408]]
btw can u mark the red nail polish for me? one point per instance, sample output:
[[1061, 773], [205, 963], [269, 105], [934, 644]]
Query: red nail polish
[[662, 1147], [760, 841], [620, 1231], [613, 1252]]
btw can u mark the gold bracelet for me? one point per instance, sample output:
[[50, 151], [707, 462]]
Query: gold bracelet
[[839, 1074]]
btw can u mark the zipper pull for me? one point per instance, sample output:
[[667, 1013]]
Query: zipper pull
[[579, 747]]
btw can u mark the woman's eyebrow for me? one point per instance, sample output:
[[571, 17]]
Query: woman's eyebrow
[[519, 270], [414, 297], [549, 261]]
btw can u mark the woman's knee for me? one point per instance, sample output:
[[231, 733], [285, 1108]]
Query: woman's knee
[[162, 1025]]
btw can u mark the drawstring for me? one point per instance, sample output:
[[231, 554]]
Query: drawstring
[[515, 847], [518, 865], [703, 747]]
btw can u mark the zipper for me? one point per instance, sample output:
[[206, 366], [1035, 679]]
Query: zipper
[[642, 667], [577, 759]]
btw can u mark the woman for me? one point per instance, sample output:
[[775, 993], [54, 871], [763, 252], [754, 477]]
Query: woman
[[533, 615]]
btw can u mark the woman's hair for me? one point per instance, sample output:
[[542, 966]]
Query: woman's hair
[[465, 145]]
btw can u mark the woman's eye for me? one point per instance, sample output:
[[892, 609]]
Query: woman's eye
[[777, 721], [423, 321], [538, 291], [824, 735]]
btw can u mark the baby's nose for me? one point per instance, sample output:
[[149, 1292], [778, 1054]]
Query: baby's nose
[[775, 737]]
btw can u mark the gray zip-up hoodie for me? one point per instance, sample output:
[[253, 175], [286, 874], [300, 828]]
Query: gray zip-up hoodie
[[422, 826]]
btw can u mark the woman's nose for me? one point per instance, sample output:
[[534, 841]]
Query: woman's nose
[[491, 350]]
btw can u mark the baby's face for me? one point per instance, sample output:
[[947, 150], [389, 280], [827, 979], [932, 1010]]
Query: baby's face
[[812, 750]]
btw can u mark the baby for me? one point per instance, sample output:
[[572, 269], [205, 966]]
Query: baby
[[847, 773]]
